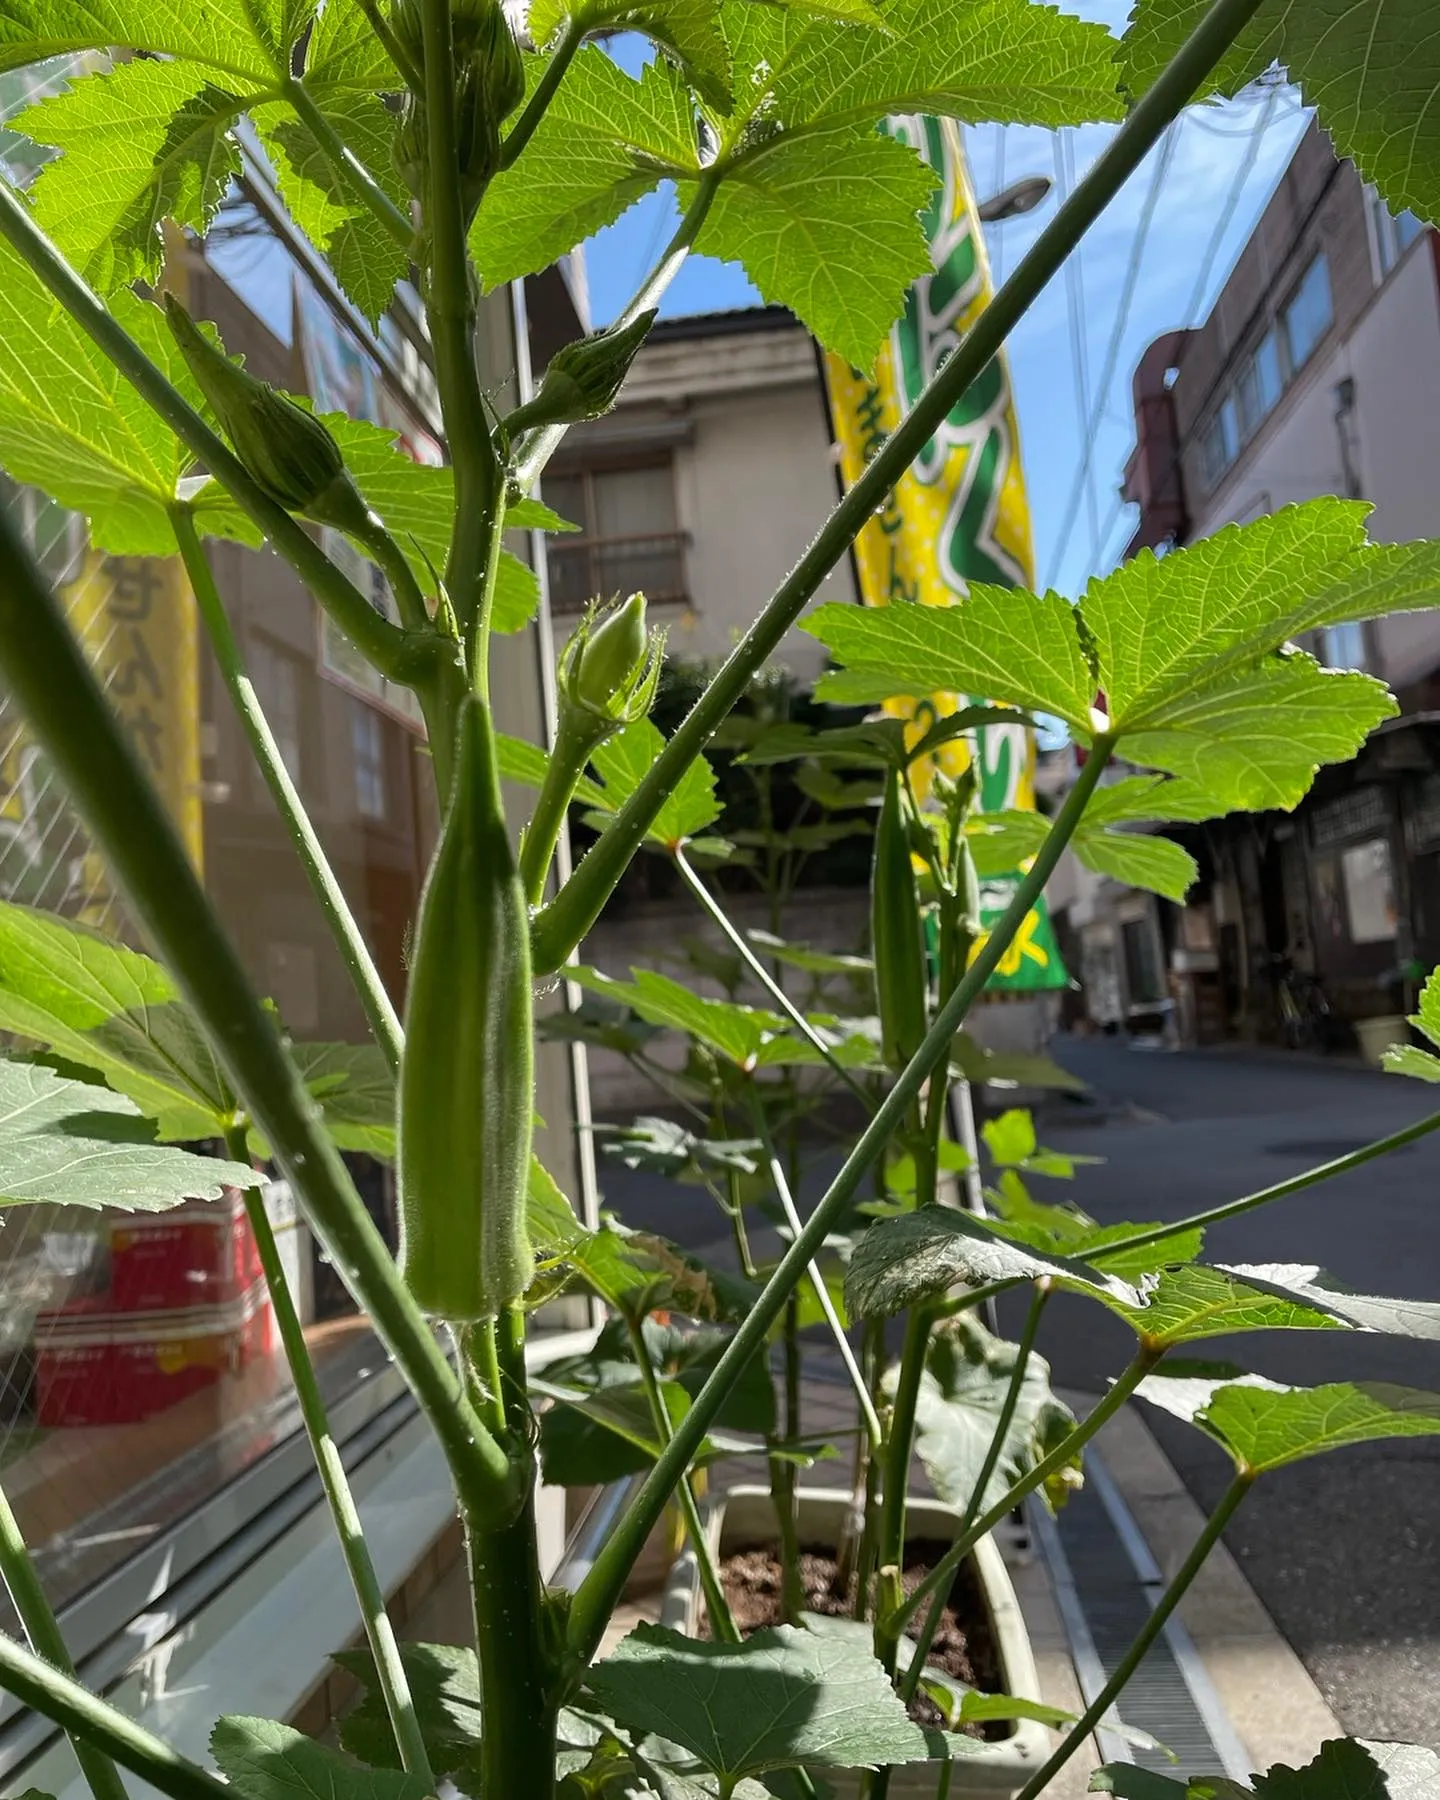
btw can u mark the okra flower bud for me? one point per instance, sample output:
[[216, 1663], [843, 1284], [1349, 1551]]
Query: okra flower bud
[[285, 450], [497, 60], [584, 378], [609, 671]]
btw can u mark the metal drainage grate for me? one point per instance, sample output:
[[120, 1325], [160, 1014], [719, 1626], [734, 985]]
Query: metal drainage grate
[[1106, 1582]]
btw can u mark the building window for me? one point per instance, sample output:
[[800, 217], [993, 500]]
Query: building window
[[628, 537], [1307, 317], [276, 675], [1343, 646], [1221, 443], [1369, 885], [1260, 383], [1394, 233], [367, 742]]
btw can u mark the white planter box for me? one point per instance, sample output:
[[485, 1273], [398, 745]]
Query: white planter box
[[998, 1767]]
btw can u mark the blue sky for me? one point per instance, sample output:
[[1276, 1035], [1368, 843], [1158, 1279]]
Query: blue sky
[[1221, 165]]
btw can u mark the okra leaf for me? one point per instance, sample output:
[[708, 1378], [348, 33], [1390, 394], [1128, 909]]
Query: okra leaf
[[1014, 646], [733, 1031], [1068, 1231], [1309, 1285], [145, 142], [1344, 1769], [1139, 861], [72, 426], [1409, 1059], [66, 1143], [669, 1149], [113, 1010], [781, 1699], [526, 763], [606, 141], [356, 1092], [1004, 1068], [828, 225], [1010, 1139], [1001, 842], [967, 1379], [1266, 1424], [594, 1439], [924, 1253], [550, 1219], [445, 1687], [688, 29], [232, 37], [808, 958], [1372, 72], [623, 762], [264, 1760], [1185, 1305], [639, 1273]]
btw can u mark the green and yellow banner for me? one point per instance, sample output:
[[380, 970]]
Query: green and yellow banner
[[959, 513]]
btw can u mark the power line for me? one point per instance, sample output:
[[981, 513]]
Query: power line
[[1082, 483], [1075, 308]]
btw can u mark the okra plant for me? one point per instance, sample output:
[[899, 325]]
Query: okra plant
[[449, 141]]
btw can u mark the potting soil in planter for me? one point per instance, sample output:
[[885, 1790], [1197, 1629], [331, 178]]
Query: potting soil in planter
[[963, 1649]]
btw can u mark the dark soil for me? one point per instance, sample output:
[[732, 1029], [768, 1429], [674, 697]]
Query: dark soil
[[963, 1647]]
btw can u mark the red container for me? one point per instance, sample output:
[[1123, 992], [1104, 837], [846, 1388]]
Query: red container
[[95, 1365], [199, 1254]]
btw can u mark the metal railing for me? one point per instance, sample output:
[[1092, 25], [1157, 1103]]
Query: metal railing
[[585, 569]]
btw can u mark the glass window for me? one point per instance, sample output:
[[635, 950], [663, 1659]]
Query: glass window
[[1307, 318], [1220, 443], [367, 743], [1407, 229], [629, 535], [1369, 891]]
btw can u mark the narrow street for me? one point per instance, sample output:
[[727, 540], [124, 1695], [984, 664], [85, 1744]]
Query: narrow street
[[1344, 1552]]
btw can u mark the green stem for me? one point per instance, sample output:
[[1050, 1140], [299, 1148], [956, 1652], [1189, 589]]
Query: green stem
[[369, 1595], [479, 632], [1094, 1714], [81, 1714], [869, 1417], [931, 1625], [538, 104], [384, 1021], [873, 1350], [1293, 1184], [349, 166], [22, 1583], [541, 445], [409, 598], [783, 1473], [49, 677], [895, 1484], [568, 757], [381, 643], [450, 310], [743, 949], [1109, 1404], [405, 64], [601, 1588], [722, 1622], [562, 924]]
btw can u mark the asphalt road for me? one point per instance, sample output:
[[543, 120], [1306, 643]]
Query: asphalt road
[[1344, 1551]]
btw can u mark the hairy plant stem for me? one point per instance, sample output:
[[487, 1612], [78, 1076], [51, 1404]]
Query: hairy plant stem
[[541, 445], [911, 1680], [354, 953], [393, 652], [562, 924], [521, 132], [1094, 1714], [369, 1595], [716, 1605], [742, 947], [450, 310], [895, 1482], [387, 554], [601, 1588], [47, 674], [55, 1695], [939, 1578], [867, 1483], [783, 1483], [568, 756], [42, 1628], [349, 166]]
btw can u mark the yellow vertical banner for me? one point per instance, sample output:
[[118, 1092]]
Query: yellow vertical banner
[[959, 513], [136, 618]]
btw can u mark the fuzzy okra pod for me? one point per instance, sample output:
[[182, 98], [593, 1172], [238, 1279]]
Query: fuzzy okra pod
[[896, 942], [467, 1078]]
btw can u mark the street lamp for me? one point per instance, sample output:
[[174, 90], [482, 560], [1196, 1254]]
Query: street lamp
[[1020, 197]]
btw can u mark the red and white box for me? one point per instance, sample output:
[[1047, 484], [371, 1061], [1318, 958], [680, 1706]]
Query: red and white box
[[199, 1254], [97, 1365]]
